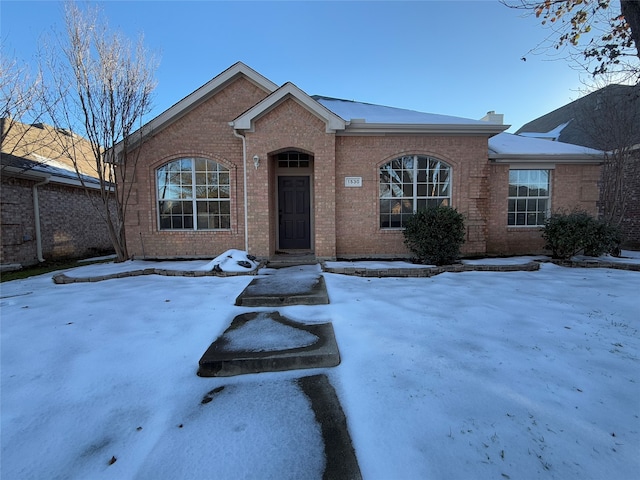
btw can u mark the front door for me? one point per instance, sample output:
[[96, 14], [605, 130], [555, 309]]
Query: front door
[[294, 213]]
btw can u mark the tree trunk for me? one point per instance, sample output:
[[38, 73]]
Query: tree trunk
[[631, 11]]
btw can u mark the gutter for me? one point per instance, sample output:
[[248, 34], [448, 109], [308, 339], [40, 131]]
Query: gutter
[[364, 128], [244, 175], [36, 214], [574, 158]]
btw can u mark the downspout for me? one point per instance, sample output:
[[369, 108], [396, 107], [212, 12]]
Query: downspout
[[244, 174], [36, 214]]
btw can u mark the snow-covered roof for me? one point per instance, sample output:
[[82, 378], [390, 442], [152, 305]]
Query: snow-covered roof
[[553, 134], [367, 117], [288, 90], [507, 146], [54, 171]]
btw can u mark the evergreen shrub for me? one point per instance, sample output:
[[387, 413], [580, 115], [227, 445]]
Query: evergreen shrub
[[568, 234], [435, 235]]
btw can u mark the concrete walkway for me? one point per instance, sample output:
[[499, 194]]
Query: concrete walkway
[[262, 341]]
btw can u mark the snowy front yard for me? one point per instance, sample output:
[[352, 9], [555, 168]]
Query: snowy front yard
[[477, 375]]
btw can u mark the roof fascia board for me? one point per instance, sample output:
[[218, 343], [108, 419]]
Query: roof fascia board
[[574, 158], [246, 121], [35, 175], [439, 129], [196, 98]]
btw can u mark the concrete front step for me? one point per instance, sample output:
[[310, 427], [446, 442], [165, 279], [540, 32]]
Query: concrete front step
[[268, 342], [300, 285]]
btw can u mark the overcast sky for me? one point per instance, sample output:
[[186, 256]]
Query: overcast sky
[[460, 58]]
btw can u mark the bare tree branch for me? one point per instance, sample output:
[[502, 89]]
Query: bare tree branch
[[100, 89], [598, 36]]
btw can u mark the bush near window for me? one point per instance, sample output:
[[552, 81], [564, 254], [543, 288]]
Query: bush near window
[[568, 234], [435, 235]]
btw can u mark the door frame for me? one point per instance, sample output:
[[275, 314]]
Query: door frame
[[293, 172]]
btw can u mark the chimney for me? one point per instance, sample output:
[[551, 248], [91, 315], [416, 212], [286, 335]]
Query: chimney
[[493, 117]]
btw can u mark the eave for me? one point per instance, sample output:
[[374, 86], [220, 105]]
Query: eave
[[575, 158], [363, 128]]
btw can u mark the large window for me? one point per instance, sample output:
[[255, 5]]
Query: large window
[[193, 194], [411, 183], [528, 197]]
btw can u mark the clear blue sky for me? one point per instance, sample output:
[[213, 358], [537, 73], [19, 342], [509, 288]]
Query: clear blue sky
[[460, 58]]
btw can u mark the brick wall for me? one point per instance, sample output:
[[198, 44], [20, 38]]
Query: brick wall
[[70, 226], [203, 132], [572, 187], [631, 223], [289, 126], [358, 231]]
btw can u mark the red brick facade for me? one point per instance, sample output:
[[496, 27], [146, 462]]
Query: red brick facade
[[344, 220], [70, 226]]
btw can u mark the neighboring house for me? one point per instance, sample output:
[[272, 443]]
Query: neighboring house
[[243, 163], [45, 212], [607, 119]]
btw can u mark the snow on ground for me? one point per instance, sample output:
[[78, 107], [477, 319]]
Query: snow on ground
[[462, 375], [229, 261]]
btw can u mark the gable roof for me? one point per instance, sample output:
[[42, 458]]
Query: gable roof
[[196, 98], [246, 121], [369, 118], [564, 123], [507, 147]]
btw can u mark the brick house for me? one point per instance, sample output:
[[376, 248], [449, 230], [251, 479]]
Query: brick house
[[243, 163], [45, 213], [607, 119]]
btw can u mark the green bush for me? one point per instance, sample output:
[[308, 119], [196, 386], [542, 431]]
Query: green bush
[[568, 234], [435, 235]]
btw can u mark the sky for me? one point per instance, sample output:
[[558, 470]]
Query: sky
[[440, 377], [458, 58]]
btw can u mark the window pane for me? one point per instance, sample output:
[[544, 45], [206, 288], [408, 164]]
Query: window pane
[[201, 164], [528, 196], [176, 188], [419, 180]]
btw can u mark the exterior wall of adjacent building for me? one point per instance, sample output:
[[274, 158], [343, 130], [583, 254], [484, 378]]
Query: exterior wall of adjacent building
[[70, 226], [630, 224]]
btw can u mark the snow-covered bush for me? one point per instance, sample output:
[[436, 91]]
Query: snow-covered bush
[[435, 235], [567, 234]]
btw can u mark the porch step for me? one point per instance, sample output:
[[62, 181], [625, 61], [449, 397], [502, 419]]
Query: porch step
[[299, 285], [283, 260], [268, 342]]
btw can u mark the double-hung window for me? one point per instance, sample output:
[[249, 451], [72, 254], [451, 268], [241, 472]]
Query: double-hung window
[[193, 194], [411, 183], [529, 199]]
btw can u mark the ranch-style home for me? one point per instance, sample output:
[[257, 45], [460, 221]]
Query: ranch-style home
[[243, 163]]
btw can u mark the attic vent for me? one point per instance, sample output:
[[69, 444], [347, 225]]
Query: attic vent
[[38, 125], [64, 131]]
